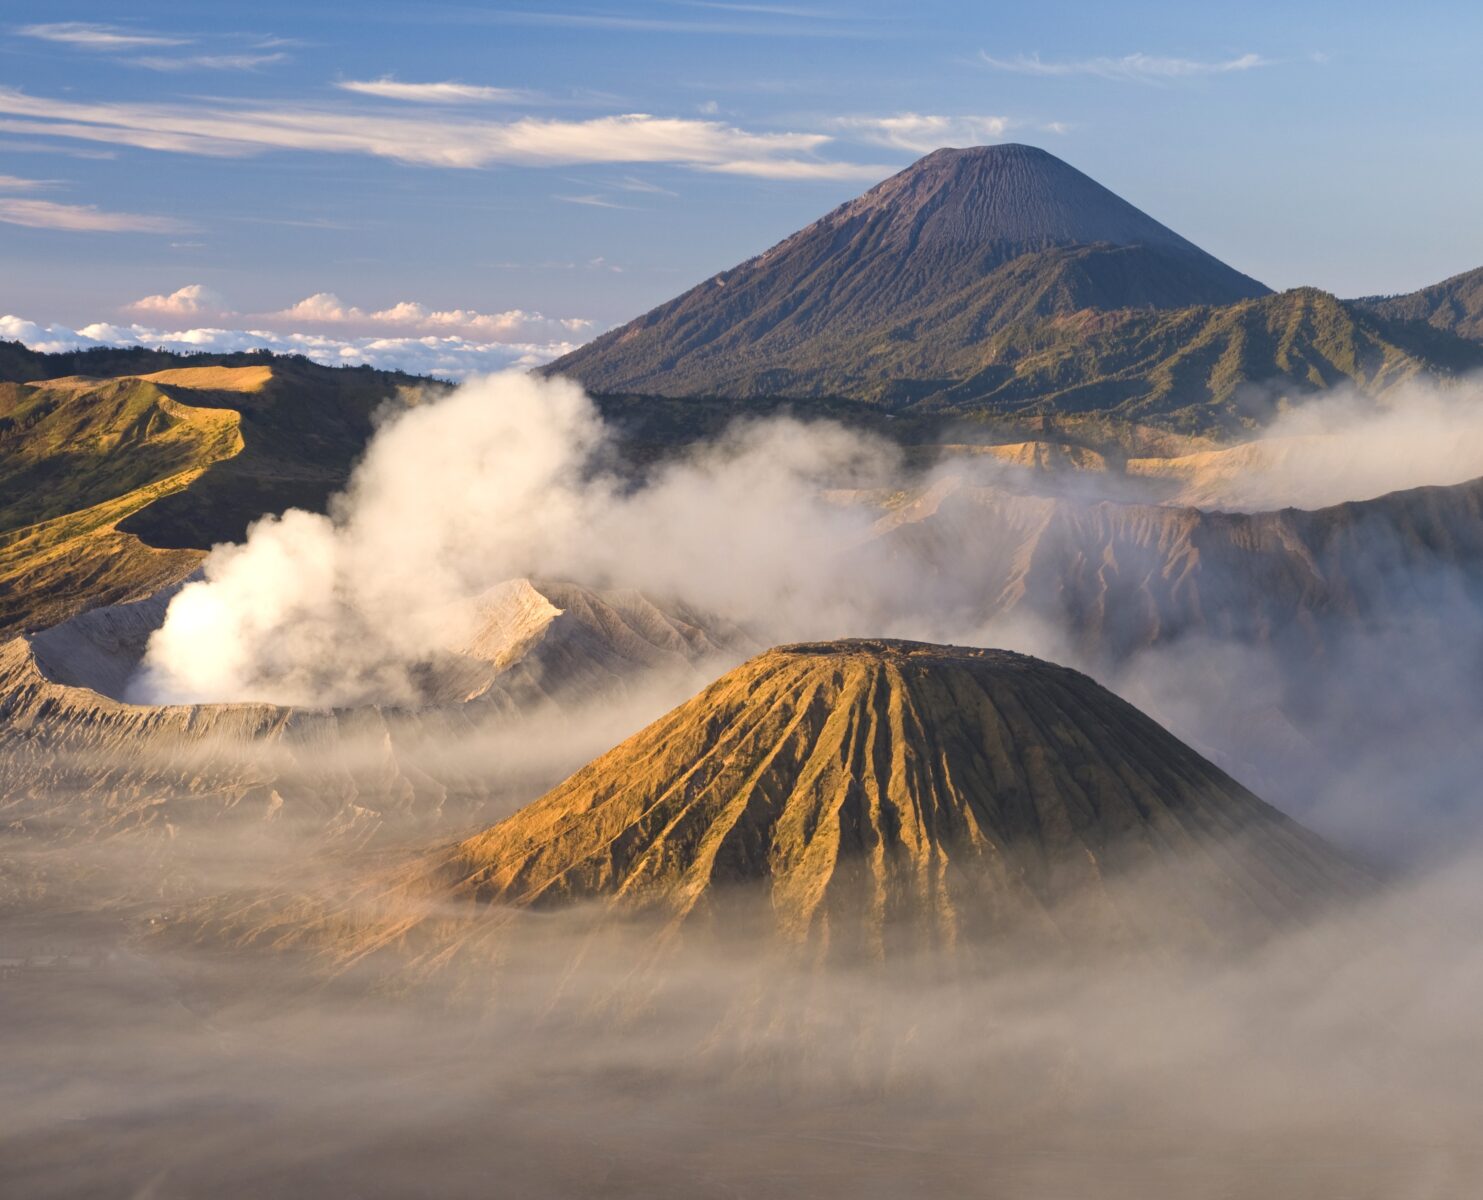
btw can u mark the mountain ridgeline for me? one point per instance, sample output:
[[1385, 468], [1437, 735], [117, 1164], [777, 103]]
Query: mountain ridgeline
[[120, 469], [1000, 278], [1454, 305]]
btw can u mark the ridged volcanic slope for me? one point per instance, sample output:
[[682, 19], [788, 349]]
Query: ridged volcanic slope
[[973, 238], [959, 789]]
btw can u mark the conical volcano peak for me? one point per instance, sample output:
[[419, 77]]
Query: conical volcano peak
[[943, 788], [906, 287], [1019, 197]]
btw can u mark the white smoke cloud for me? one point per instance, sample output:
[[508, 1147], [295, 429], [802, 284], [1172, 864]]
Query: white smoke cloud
[[494, 482], [1343, 446], [498, 481]]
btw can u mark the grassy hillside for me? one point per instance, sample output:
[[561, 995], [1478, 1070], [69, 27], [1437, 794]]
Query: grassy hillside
[[1034, 337], [76, 458], [1455, 305], [1200, 370]]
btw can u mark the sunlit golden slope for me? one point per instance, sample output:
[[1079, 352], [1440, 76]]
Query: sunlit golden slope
[[77, 456], [113, 488], [869, 786]]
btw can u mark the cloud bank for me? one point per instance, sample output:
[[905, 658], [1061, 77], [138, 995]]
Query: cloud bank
[[447, 356], [406, 336], [513, 325]]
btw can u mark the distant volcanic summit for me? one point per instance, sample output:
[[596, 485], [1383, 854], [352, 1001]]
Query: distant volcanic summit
[[864, 788], [907, 282]]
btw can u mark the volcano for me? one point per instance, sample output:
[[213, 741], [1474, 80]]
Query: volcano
[[869, 787], [905, 280]]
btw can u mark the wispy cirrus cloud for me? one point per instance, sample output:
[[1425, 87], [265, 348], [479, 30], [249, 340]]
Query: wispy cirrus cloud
[[33, 147], [81, 218], [447, 91], [125, 46], [800, 169], [434, 139], [207, 62], [591, 200], [630, 183], [98, 37], [17, 183], [735, 20], [923, 132], [1144, 68]]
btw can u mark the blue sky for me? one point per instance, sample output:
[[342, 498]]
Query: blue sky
[[523, 175]]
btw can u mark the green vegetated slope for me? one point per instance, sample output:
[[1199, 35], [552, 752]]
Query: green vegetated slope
[[1200, 370], [1215, 371], [1454, 305]]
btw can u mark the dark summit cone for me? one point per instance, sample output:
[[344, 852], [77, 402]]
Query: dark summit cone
[[906, 281]]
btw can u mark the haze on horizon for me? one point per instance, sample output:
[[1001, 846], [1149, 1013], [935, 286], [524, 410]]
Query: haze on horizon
[[522, 180]]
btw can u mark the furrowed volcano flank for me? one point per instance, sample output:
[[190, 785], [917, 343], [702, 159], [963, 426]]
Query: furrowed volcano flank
[[871, 786], [906, 280]]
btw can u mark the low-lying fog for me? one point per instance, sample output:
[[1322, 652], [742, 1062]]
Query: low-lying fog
[[1342, 1060]]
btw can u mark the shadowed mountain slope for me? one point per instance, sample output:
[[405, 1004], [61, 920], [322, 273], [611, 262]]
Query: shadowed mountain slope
[[986, 236], [1220, 371], [1454, 305], [1001, 280], [946, 790]]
